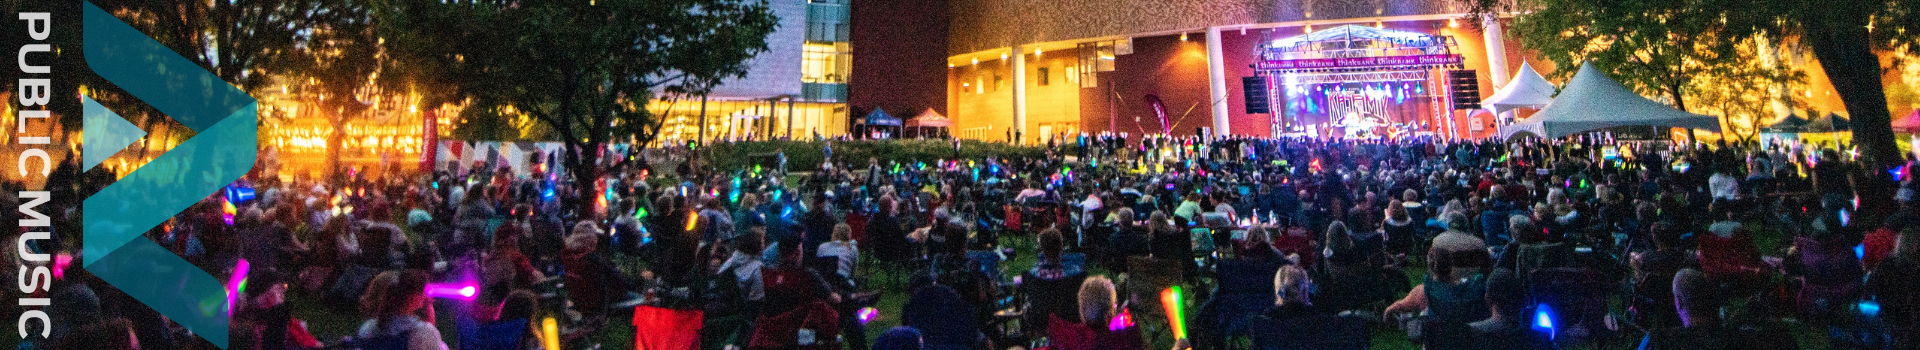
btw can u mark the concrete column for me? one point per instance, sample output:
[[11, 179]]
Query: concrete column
[[1019, 66], [1496, 52], [1217, 82], [1496, 62]]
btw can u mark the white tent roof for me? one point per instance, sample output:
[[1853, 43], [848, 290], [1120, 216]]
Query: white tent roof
[[1593, 101], [1527, 90]]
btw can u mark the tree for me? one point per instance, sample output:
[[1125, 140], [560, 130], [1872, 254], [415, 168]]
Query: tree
[[1747, 94], [1842, 34], [584, 69], [336, 65], [1667, 49], [240, 41]]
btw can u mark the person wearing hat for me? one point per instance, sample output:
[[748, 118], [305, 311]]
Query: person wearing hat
[[581, 256]]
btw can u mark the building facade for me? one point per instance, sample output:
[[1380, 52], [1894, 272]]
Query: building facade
[[1039, 68], [796, 89]]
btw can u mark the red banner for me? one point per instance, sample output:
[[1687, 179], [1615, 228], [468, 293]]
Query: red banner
[[1361, 62], [430, 150]]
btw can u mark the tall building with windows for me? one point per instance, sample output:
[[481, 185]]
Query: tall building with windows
[[797, 88]]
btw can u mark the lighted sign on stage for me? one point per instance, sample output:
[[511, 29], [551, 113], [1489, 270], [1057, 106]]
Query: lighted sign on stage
[[1361, 62]]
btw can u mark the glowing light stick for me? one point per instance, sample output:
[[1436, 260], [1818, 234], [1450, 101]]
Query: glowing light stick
[[1170, 299], [451, 291], [550, 334], [868, 314], [1869, 308], [1121, 322], [693, 217], [1543, 320], [60, 264], [236, 284], [227, 210]]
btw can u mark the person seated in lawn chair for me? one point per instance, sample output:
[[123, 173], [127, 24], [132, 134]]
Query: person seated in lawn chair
[[1103, 324], [798, 312]]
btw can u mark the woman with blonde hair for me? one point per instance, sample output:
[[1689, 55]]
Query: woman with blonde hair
[[843, 247], [1098, 329]]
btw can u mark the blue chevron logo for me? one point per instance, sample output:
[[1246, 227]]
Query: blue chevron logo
[[222, 151]]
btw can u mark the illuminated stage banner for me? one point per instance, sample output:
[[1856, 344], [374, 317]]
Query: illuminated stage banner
[[1360, 62]]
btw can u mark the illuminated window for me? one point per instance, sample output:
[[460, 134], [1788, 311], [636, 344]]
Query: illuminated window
[[1095, 57], [826, 63]]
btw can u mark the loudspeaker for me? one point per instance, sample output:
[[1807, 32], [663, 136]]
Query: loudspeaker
[[1465, 85], [1255, 91]]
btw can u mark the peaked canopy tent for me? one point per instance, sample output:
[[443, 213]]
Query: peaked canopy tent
[[877, 124], [1908, 124], [1527, 90], [929, 119], [1833, 122], [1787, 129], [1792, 124], [1592, 101]]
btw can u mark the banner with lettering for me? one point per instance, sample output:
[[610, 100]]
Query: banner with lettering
[[1360, 62]]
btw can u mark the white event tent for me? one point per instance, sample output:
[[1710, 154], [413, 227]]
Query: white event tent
[[1592, 101], [1527, 90]]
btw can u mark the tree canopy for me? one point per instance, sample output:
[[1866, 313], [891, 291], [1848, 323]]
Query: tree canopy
[[584, 69], [1844, 35]]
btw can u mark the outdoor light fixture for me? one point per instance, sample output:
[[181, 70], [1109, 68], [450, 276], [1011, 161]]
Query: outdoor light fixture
[[1183, 36], [976, 61], [1453, 23]]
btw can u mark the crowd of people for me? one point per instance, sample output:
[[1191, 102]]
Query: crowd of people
[[1284, 243]]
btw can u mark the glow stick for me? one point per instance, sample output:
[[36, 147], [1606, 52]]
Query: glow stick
[[1543, 320], [236, 284], [550, 334], [451, 291], [1120, 322], [693, 217], [60, 264], [1170, 299], [868, 314], [227, 210], [1869, 308]]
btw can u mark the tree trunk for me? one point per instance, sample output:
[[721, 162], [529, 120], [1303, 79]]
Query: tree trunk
[[582, 164], [334, 146], [1847, 57]]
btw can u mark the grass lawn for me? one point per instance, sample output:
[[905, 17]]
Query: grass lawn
[[332, 322]]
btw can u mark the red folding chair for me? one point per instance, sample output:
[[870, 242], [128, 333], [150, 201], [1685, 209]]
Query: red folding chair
[[666, 329], [858, 222]]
